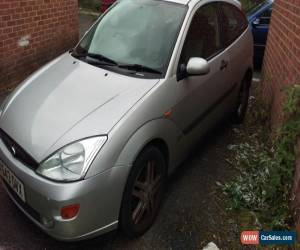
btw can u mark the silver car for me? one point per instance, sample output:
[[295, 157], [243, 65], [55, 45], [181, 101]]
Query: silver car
[[87, 141]]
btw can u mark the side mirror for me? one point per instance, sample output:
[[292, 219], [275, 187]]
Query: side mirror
[[256, 22], [197, 66]]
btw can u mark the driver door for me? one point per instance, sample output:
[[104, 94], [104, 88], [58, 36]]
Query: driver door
[[199, 96]]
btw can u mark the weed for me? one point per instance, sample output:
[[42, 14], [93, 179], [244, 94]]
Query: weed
[[266, 167]]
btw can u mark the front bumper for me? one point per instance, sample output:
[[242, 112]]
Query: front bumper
[[99, 198]]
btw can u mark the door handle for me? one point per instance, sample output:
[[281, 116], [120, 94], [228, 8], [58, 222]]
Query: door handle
[[224, 64]]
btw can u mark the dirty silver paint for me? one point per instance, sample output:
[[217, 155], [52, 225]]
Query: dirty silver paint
[[68, 100]]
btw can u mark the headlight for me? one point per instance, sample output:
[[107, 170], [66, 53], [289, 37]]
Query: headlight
[[71, 162]]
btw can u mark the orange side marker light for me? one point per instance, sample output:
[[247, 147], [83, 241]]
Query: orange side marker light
[[168, 113]]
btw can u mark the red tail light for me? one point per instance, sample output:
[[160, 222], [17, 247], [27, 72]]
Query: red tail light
[[69, 212]]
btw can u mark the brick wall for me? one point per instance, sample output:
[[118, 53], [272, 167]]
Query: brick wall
[[282, 58], [281, 68], [32, 32]]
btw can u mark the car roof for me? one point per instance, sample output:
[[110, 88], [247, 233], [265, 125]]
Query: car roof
[[194, 2]]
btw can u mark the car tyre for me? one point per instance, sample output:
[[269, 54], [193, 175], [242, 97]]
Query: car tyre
[[241, 105], [144, 192]]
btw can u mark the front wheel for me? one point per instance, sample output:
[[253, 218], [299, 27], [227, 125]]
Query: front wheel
[[241, 106], [143, 192]]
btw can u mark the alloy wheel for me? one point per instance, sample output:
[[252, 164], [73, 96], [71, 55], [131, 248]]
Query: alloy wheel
[[146, 193]]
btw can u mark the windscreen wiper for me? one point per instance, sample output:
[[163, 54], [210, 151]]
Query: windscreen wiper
[[102, 58], [97, 59], [139, 68]]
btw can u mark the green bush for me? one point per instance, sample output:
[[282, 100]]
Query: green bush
[[267, 168]]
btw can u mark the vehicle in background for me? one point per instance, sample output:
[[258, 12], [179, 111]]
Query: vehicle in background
[[259, 19]]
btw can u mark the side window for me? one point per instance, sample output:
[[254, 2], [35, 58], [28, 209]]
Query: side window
[[233, 23], [265, 17], [203, 37]]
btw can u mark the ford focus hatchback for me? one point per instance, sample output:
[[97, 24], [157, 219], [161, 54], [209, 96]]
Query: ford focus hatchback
[[87, 141]]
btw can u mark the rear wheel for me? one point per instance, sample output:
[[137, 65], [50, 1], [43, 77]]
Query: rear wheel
[[143, 192], [241, 106]]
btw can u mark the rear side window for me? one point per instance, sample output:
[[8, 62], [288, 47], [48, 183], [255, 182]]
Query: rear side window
[[234, 23]]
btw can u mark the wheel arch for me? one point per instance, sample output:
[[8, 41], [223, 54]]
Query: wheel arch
[[161, 145], [151, 133]]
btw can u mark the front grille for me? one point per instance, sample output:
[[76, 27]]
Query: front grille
[[17, 151], [29, 210]]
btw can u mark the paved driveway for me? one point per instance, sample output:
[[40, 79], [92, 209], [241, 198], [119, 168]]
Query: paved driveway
[[85, 21]]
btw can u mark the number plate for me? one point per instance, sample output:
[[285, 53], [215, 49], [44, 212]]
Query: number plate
[[12, 181]]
